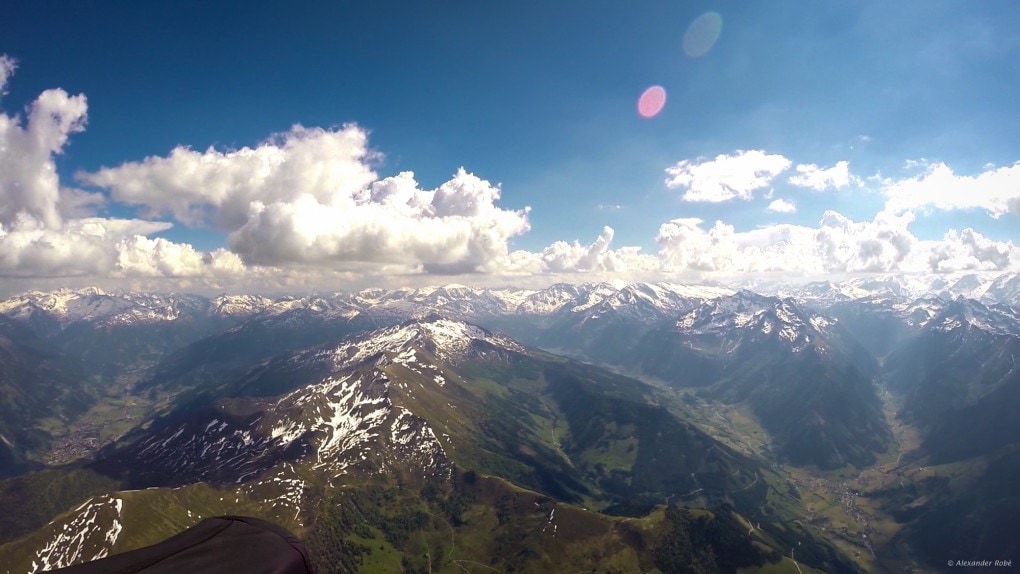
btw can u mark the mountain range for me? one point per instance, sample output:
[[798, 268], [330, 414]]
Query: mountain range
[[652, 421]]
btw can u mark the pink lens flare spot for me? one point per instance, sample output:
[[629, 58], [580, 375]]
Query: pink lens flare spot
[[651, 102]]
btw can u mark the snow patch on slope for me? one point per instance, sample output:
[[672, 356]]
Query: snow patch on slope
[[89, 535], [282, 490]]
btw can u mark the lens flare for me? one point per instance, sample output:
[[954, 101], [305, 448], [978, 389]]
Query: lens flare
[[651, 102], [702, 34]]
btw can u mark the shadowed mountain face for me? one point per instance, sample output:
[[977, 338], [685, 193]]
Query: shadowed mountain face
[[36, 383], [959, 380], [952, 366]]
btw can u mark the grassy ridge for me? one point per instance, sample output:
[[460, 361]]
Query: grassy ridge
[[478, 523]]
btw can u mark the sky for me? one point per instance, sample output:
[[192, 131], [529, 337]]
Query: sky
[[247, 146]]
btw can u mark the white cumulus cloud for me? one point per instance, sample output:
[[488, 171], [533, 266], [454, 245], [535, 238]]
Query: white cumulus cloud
[[305, 197], [7, 67], [597, 257], [104, 247], [782, 206], [310, 196], [820, 179], [727, 176], [331, 166], [80, 247], [969, 250], [684, 245], [141, 256], [47, 230], [881, 245], [995, 190], [456, 228], [29, 184]]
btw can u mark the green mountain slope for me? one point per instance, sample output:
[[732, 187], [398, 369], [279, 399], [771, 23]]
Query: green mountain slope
[[426, 433], [808, 382]]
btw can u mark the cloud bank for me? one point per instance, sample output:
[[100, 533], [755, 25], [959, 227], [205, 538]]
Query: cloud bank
[[837, 245], [306, 207]]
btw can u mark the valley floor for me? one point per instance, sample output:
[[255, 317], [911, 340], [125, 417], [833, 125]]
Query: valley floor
[[847, 506]]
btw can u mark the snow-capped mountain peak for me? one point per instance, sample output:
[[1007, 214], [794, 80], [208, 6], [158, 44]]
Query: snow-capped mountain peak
[[596, 294], [240, 305], [1004, 289], [917, 312], [550, 299], [94, 305], [997, 318], [747, 313], [643, 301], [443, 337]]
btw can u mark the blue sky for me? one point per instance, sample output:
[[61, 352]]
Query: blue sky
[[541, 98]]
